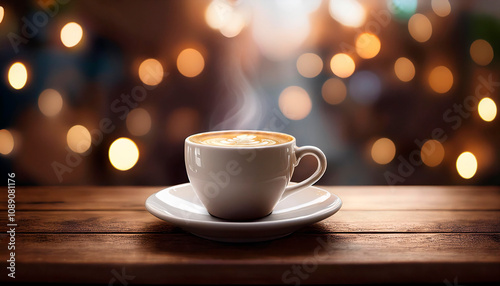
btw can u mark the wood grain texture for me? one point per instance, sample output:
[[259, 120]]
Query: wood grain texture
[[333, 258], [343, 221], [411, 234], [353, 197]]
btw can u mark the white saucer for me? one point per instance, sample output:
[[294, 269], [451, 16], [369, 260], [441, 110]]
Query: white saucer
[[180, 206]]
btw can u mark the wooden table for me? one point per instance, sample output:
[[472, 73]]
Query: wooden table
[[441, 235]]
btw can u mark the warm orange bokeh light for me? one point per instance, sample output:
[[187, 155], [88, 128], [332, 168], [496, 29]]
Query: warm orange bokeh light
[[420, 28], [383, 151], [190, 63], [367, 45], [441, 79], [342, 65], [404, 69], [334, 91], [481, 52], [50, 102], [294, 103], [432, 153], [6, 142], [2, 12], [309, 65], [138, 122], [151, 72], [79, 139], [442, 8]]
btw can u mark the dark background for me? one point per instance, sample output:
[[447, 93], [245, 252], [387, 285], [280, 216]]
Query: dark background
[[240, 87]]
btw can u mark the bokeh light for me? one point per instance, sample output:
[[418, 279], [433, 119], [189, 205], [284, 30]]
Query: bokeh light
[[233, 26], [404, 69], [50, 102], [342, 65], [64, 72], [481, 52], [441, 79], [309, 65], [442, 8], [79, 139], [367, 45], [71, 34], [294, 103], [466, 165], [365, 87], [138, 122], [487, 109], [6, 142], [402, 9], [432, 153], [334, 91], [420, 28], [383, 151], [123, 154], [151, 72], [280, 28], [190, 63], [217, 14], [18, 75], [349, 13]]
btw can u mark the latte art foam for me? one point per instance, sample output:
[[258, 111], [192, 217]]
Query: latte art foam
[[241, 139]]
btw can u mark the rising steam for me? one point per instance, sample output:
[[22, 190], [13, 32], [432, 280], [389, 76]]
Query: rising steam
[[240, 106]]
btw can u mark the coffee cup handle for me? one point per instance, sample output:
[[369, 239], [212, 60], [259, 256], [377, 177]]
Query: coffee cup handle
[[299, 153]]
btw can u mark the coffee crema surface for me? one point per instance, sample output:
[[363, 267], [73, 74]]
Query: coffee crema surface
[[241, 139]]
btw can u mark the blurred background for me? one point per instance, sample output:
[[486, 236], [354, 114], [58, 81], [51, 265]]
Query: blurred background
[[394, 92]]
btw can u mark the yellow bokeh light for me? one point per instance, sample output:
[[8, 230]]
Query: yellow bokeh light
[[18, 75], [294, 103], [71, 34], [442, 8], [349, 13], [6, 142], [383, 151], [79, 139], [466, 165], [342, 65], [151, 72], [432, 153], [2, 12], [487, 109], [50, 102], [309, 65], [123, 154], [190, 63], [441, 79], [481, 52], [138, 122], [334, 91], [367, 45], [404, 69], [420, 28]]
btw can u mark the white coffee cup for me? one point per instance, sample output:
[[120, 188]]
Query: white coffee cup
[[243, 179]]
